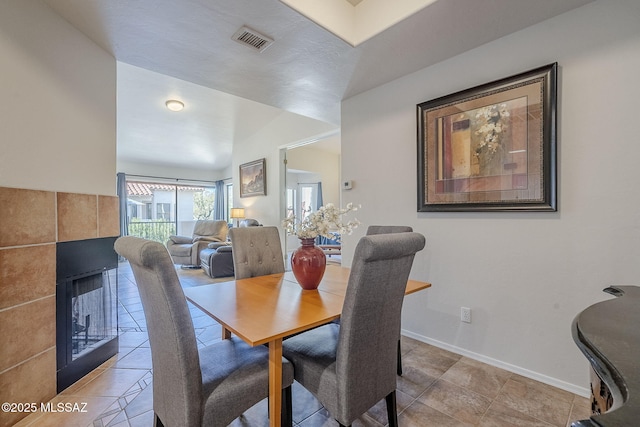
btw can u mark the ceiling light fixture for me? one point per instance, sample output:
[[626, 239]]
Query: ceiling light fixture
[[174, 105]]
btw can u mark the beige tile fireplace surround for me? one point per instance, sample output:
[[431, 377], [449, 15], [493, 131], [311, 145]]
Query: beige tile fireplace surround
[[31, 223]]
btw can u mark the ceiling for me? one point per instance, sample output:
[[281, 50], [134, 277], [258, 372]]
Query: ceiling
[[183, 49]]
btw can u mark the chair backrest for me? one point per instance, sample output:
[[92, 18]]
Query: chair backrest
[[177, 379], [388, 229], [213, 230], [256, 251], [370, 320]]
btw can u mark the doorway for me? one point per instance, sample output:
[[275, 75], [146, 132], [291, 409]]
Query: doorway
[[311, 179]]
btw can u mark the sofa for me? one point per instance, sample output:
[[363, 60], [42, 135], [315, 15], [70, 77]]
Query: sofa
[[186, 250], [216, 259]]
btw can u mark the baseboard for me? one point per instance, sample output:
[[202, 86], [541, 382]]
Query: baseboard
[[572, 388]]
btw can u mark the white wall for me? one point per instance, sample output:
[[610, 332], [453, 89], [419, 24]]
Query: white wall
[[321, 162], [285, 129], [58, 114], [524, 275]]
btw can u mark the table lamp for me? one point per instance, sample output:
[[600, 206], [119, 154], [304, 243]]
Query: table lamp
[[237, 213]]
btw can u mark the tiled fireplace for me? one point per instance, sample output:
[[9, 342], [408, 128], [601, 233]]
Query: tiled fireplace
[[32, 223]]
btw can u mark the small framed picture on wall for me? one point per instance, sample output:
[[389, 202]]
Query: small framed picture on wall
[[253, 178]]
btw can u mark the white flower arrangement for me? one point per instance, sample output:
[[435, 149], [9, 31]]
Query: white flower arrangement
[[326, 221], [491, 130]]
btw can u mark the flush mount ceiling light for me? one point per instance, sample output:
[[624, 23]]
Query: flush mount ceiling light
[[174, 105]]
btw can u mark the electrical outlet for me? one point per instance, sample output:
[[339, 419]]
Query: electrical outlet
[[465, 314]]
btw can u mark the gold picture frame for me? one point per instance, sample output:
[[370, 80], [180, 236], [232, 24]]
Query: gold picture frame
[[491, 147]]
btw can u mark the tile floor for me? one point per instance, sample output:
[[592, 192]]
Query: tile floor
[[437, 388]]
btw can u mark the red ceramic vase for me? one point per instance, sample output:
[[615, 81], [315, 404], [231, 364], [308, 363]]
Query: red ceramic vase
[[308, 263]]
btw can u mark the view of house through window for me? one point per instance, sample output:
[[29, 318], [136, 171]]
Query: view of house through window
[[157, 210]]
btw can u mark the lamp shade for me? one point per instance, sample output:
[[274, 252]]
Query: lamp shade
[[237, 213]]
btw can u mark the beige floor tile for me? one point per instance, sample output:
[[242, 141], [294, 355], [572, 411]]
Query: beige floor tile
[[536, 400], [379, 411], [499, 415], [457, 402], [422, 366], [113, 382], [580, 409], [420, 415], [545, 389], [82, 382], [415, 380], [407, 344], [139, 358], [434, 357], [143, 420], [133, 339], [477, 376], [80, 413]]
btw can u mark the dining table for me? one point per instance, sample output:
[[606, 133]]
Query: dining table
[[266, 309]]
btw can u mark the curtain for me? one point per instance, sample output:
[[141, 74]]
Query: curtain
[[319, 201], [122, 195], [218, 209]]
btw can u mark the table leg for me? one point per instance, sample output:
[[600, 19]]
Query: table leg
[[226, 334], [275, 382]]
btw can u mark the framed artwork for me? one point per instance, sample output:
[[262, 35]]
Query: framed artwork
[[253, 180], [491, 147]]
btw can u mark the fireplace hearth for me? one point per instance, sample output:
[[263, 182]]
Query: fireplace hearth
[[86, 307]]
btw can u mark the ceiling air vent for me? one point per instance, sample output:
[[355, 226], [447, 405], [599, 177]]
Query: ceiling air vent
[[253, 39]]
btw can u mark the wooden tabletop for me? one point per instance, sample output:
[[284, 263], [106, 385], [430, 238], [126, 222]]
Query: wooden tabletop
[[261, 309], [264, 308]]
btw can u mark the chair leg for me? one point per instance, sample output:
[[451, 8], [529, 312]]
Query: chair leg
[[399, 359], [392, 410], [286, 419], [156, 421]]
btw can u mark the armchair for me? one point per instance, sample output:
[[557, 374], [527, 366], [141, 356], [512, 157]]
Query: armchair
[[186, 250], [216, 259]]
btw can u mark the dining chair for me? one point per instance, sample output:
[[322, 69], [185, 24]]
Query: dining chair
[[210, 386], [351, 366], [256, 251], [387, 229]]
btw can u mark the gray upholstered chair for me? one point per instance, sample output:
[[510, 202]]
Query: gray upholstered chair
[[256, 251], [388, 229], [186, 250], [347, 370], [207, 387]]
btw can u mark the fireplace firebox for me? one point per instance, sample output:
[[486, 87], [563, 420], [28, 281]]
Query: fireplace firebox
[[86, 307]]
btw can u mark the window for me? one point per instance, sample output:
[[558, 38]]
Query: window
[[163, 211], [204, 203], [156, 210]]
